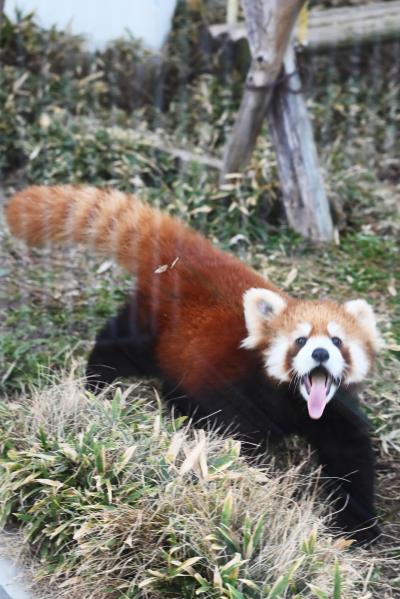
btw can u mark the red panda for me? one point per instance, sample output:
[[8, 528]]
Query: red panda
[[227, 343]]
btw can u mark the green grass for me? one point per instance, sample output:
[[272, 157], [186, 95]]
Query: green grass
[[64, 118], [48, 315]]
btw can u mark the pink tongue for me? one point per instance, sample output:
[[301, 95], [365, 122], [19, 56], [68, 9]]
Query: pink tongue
[[317, 400]]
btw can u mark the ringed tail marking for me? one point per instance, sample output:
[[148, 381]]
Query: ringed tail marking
[[112, 222]]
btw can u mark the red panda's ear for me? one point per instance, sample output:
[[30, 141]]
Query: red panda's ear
[[260, 305], [365, 317]]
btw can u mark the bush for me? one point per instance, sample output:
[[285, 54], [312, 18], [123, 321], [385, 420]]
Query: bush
[[118, 499]]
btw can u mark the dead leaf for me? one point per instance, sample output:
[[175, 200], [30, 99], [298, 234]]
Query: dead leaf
[[227, 187], [292, 276], [161, 269], [193, 458], [165, 267], [392, 289], [35, 152], [343, 543], [336, 236], [234, 176], [201, 210], [20, 81], [239, 237], [174, 263], [393, 347], [44, 120], [104, 266]]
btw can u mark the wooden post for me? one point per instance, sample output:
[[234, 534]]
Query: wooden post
[[2, 3], [269, 26], [232, 11], [337, 27], [304, 198]]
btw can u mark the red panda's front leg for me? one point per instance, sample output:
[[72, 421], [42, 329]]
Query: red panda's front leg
[[250, 409], [344, 447]]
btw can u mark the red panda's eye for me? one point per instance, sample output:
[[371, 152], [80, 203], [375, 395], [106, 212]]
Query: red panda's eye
[[336, 341], [301, 341]]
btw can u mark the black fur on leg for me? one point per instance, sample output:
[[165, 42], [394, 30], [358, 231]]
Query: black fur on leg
[[342, 440], [123, 348]]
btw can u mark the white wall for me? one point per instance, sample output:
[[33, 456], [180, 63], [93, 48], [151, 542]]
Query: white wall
[[102, 20]]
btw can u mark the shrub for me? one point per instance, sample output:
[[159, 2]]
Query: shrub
[[118, 499]]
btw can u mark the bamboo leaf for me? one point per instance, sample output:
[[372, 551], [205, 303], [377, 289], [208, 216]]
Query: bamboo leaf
[[175, 447], [280, 587], [51, 483], [337, 586], [217, 579], [226, 535], [227, 509], [193, 457], [234, 593], [319, 593], [186, 565], [126, 458]]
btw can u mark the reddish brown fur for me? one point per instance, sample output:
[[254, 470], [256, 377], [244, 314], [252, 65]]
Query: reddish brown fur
[[196, 305]]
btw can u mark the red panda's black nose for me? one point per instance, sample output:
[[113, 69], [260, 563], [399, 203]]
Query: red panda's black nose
[[320, 355]]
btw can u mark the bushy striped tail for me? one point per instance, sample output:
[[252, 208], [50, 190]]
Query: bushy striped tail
[[113, 223]]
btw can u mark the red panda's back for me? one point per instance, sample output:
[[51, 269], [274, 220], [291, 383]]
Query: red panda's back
[[196, 300]]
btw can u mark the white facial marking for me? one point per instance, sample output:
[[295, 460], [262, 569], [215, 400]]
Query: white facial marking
[[359, 363], [303, 330], [275, 359], [335, 330], [304, 362]]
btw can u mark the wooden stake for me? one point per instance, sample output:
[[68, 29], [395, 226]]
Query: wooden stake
[[304, 198], [232, 11], [269, 26], [337, 27], [2, 3]]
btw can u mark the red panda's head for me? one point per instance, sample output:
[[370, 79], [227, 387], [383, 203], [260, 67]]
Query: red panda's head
[[313, 345]]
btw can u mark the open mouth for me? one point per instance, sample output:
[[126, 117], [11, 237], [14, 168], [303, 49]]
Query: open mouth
[[318, 383]]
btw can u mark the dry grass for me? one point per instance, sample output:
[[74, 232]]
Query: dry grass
[[116, 499]]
